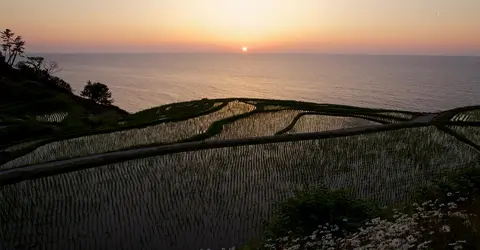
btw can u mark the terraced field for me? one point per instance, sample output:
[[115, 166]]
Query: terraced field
[[54, 117], [470, 115], [260, 124], [20, 146], [472, 133], [218, 197], [314, 123], [101, 143]]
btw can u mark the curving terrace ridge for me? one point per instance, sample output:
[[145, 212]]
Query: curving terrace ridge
[[18, 174]]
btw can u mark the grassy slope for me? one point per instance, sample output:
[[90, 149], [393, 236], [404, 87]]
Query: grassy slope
[[21, 99]]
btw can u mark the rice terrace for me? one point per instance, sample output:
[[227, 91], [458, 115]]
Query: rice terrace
[[210, 173]]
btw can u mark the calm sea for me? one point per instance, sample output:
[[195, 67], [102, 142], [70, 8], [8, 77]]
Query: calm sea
[[140, 81]]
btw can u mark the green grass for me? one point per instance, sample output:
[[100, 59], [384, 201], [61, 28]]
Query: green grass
[[24, 101], [162, 133], [175, 111]]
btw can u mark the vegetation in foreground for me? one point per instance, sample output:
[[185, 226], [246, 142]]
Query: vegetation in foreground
[[443, 215]]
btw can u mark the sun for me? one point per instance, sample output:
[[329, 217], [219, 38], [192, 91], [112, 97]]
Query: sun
[[244, 49]]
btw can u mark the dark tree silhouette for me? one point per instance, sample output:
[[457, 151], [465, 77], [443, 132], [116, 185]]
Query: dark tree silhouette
[[39, 64], [51, 67], [12, 47], [7, 41], [18, 49], [98, 92], [35, 62]]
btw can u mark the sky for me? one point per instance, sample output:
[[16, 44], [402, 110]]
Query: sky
[[264, 26]]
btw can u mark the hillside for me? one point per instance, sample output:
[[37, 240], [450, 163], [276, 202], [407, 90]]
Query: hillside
[[209, 173], [32, 109]]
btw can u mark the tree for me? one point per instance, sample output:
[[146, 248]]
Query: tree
[[11, 47], [51, 67], [40, 65], [7, 40], [98, 92], [35, 62], [18, 49]]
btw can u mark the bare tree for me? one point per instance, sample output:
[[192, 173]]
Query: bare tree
[[40, 65], [51, 67]]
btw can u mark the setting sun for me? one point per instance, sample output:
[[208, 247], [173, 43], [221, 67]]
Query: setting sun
[[244, 49]]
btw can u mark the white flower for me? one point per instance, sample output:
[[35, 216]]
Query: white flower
[[411, 239], [353, 242], [451, 205], [396, 243], [449, 194], [380, 235], [445, 229], [424, 245]]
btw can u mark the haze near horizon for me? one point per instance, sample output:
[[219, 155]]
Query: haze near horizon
[[226, 26]]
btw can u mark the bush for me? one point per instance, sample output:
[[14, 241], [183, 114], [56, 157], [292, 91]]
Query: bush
[[43, 76], [97, 92], [444, 216], [465, 182], [301, 215], [60, 83]]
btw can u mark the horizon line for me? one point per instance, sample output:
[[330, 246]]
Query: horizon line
[[260, 53]]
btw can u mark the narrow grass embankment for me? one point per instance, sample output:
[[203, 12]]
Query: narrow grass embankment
[[19, 174], [295, 120], [187, 110], [193, 143], [140, 120], [184, 111], [445, 119]]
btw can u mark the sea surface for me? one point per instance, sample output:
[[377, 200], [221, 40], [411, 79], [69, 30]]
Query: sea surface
[[140, 81]]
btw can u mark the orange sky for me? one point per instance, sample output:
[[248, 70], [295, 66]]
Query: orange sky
[[349, 26]]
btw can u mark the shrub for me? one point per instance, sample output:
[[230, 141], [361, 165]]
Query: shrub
[[98, 92], [444, 216], [465, 182], [302, 214], [60, 83], [432, 225]]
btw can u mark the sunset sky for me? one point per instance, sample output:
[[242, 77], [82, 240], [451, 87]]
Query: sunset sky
[[332, 26]]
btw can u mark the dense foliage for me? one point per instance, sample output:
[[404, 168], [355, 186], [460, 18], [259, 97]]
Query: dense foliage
[[444, 215], [302, 214], [35, 69], [98, 92]]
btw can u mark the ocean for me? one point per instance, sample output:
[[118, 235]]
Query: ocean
[[141, 81]]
